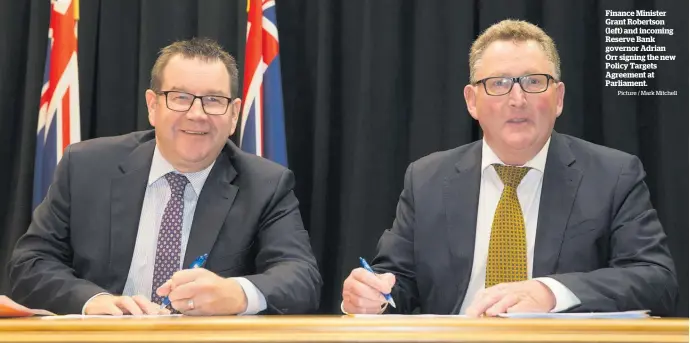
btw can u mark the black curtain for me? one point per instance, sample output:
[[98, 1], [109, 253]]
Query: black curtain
[[369, 86]]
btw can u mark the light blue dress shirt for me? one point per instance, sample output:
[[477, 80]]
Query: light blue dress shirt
[[140, 277]]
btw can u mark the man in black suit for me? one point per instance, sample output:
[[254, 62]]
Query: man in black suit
[[125, 214], [525, 220]]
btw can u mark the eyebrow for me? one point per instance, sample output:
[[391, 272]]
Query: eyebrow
[[527, 72], [208, 92]]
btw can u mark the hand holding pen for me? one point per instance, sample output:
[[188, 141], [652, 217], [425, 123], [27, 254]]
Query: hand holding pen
[[198, 291], [199, 262], [365, 292]]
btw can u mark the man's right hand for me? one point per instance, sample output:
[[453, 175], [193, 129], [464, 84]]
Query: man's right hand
[[119, 305], [362, 291]]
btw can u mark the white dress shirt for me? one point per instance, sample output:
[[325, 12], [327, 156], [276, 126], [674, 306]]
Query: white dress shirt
[[529, 195], [140, 277]]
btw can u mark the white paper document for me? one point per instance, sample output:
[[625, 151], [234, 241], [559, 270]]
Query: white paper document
[[523, 315], [586, 315], [79, 316], [384, 316]]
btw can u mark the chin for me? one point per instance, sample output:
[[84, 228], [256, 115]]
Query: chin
[[193, 156], [519, 142]]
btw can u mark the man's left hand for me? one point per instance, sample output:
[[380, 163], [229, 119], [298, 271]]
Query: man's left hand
[[199, 292], [523, 296]]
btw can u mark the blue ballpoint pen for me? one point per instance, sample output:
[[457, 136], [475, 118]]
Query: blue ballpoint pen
[[198, 263], [366, 266]]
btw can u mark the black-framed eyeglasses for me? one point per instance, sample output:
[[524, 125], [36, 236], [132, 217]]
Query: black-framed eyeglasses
[[182, 102], [531, 83]]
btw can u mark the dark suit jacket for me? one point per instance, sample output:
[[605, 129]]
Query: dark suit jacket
[[81, 238], [597, 232]]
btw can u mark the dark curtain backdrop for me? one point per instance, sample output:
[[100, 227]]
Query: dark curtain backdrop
[[369, 86]]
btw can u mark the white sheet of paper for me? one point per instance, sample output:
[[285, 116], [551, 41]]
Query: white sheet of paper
[[79, 316], [523, 315], [386, 316], [586, 315]]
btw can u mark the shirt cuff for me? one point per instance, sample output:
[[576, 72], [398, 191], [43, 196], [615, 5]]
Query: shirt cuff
[[256, 301], [83, 308], [565, 298]]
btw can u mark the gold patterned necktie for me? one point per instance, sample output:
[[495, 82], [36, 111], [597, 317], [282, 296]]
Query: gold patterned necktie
[[507, 260]]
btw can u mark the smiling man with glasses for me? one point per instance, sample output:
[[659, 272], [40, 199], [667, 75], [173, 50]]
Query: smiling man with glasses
[[526, 219], [127, 215]]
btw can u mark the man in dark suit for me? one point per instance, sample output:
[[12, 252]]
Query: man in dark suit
[[525, 220], [125, 214]]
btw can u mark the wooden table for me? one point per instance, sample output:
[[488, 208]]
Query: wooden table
[[340, 329]]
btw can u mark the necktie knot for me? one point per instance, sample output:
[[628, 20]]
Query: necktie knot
[[511, 175], [177, 183]]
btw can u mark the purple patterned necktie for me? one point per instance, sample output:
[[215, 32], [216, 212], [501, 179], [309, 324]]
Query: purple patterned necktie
[[169, 247]]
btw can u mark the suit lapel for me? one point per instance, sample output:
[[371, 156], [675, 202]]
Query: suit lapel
[[561, 181], [212, 208], [461, 198], [127, 196]]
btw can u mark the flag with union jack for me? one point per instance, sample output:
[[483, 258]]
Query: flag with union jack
[[263, 121], [58, 116]]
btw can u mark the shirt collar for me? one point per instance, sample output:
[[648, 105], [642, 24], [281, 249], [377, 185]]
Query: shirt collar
[[160, 166], [538, 162]]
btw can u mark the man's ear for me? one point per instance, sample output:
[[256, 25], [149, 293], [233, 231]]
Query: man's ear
[[235, 107], [470, 93], [560, 94], [151, 106]]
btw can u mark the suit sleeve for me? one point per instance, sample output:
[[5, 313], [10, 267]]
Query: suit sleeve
[[287, 273], [40, 270], [396, 251], [640, 273]]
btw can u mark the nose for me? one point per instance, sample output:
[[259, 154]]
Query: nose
[[517, 96], [196, 112]]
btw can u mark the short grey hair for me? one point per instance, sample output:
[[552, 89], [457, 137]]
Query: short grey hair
[[516, 31]]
